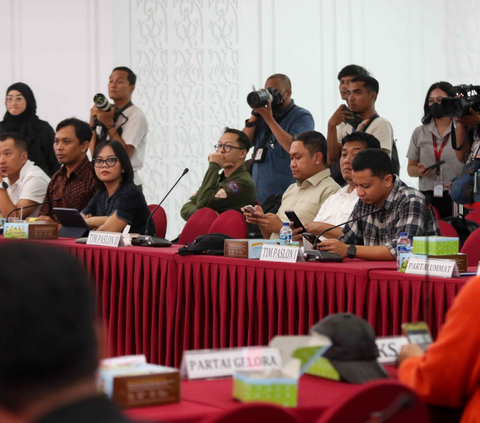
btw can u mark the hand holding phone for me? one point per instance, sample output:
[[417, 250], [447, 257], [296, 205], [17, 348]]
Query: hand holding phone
[[434, 166], [292, 216]]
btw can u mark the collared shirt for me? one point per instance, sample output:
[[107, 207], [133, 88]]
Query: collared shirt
[[273, 175], [74, 191], [129, 204], [404, 211], [305, 198], [31, 185], [421, 150], [338, 207], [380, 128]]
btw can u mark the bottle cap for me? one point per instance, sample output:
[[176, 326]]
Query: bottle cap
[[403, 233], [286, 223]]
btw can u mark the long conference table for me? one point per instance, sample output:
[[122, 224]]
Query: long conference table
[[155, 302]]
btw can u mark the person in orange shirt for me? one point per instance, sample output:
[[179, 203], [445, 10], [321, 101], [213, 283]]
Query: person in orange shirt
[[448, 374]]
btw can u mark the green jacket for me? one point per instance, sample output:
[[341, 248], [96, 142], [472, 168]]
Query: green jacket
[[231, 193]]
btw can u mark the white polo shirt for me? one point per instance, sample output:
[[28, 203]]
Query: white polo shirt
[[31, 185]]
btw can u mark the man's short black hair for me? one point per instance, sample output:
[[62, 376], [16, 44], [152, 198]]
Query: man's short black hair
[[284, 79], [132, 78], [314, 142], [376, 160], [352, 70], [18, 141], [82, 129], [367, 139], [242, 137], [48, 337], [369, 82]]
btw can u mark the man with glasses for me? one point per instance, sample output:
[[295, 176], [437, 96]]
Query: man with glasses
[[233, 188], [271, 130], [73, 184]]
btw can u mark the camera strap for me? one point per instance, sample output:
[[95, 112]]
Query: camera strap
[[367, 123], [118, 113], [259, 152], [437, 152]]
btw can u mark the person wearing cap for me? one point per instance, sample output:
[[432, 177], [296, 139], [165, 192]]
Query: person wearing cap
[[353, 353], [448, 374], [387, 208]]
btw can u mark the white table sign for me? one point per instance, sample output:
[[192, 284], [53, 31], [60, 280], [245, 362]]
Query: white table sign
[[282, 253], [109, 239], [434, 267], [389, 347], [202, 364]]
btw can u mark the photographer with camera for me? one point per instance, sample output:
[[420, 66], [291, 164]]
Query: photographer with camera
[[275, 119], [430, 145], [124, 122]]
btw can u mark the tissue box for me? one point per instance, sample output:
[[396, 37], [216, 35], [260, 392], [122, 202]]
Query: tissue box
[[140, 384], [247, 248], [272, 387], [24, 230], [437, 245]]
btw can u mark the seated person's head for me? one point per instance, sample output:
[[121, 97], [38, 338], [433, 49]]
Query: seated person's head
[[13, 155], [351, 145], [234, 146], [112, 164], [48, 334], [346, 75], [373, 175], [308, 154], [362, 93], [72, 140]]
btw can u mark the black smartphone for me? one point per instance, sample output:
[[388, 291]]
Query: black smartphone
[[435, 166], [355, 120], [310, 237], [292, 216]]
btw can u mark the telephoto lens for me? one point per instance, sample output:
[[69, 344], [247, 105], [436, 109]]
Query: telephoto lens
[[258, 99], [101, 102]]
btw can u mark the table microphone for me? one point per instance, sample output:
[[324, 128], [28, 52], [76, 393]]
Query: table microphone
[[33, 205], [147, 240], [318, 255]]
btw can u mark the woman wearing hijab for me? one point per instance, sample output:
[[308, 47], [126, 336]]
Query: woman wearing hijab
[[21, 118]]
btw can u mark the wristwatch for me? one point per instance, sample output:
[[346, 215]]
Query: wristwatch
[[352, 251], [4, 185], [250, 124]]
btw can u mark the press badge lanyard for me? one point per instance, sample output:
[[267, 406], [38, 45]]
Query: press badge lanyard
[[437, 152]]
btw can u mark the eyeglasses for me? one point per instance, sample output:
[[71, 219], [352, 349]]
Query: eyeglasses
[[226, 147], [437, 100], [11, 99], [110, 162]]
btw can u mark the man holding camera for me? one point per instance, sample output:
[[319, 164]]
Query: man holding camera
[[362, 95], [270, 129], [125, 122]]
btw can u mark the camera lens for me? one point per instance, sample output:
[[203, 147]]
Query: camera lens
[[101, 102]]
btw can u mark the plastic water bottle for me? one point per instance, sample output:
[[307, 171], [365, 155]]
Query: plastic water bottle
[[286, 233], [404, 245]]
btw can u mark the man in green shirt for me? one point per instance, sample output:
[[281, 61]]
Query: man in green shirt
[[233, 188]]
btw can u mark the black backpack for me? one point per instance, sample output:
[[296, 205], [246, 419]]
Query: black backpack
[[207, 244]]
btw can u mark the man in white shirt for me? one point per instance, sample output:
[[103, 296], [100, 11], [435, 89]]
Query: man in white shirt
[[24, 184], [338, 207], [308, 162], [125, 122], [362, 94]]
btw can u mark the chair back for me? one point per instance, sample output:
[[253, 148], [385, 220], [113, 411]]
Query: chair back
[[377, 398], [470, 247], [436, 212], [474, 215], [230, 223], [254, 413], [197, 225], [159, 220], [446, 229]]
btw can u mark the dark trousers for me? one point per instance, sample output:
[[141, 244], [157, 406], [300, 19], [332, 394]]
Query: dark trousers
[[444, 204]]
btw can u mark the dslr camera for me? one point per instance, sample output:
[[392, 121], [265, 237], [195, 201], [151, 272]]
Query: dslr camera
[[460, 106], [101, 102], [261, 98]]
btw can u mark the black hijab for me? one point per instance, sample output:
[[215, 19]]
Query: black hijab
[[25, 123]]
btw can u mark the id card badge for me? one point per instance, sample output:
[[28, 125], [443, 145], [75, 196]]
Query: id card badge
[[259, 155], [438, 188]]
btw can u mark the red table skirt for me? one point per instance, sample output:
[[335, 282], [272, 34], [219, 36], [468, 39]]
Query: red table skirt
[[154, 302]]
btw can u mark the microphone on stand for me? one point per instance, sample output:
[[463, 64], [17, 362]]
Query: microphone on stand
[[147, 240], [324, 256], [33, 205]]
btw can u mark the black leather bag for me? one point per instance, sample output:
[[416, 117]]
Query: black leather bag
[[207, 244]]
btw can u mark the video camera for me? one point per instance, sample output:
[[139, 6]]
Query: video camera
[[460, 106]]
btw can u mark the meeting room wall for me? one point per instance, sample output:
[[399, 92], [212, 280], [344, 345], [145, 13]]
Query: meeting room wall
[[196, 61]]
